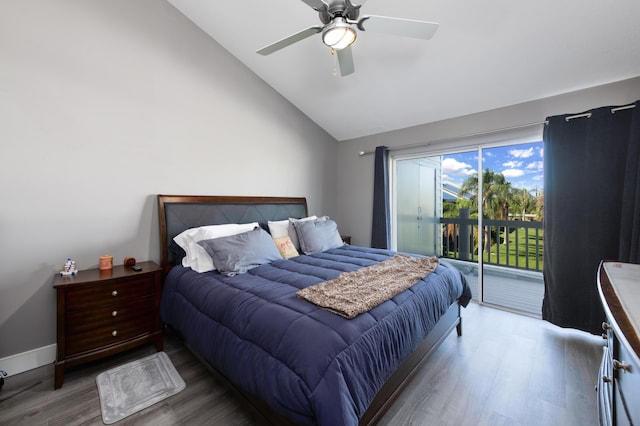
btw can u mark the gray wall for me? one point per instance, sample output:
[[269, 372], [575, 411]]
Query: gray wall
[[355, 173], [105, 104]]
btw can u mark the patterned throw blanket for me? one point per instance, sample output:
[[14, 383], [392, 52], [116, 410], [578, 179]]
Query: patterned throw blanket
[[353, 293]]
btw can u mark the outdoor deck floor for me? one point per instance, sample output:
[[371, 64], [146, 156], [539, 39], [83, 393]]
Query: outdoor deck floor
[[510, 288]]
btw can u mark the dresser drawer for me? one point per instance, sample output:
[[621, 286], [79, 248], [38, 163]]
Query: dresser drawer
[[605, 389], [618, 285], [109, 332], [91, 296], [627, 384]]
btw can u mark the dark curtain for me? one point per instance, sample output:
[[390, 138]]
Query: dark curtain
[[591, 209], [380, 236]]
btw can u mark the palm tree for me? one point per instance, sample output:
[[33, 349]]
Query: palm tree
[[497, 194], [523, 202]]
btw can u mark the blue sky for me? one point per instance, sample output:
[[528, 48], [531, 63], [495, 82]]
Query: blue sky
[[520, 164]]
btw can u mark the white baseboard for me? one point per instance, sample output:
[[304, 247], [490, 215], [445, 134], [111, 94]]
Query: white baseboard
[[25, 361]]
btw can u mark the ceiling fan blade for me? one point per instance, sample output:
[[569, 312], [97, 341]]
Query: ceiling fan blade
[[287, 41], [316, 4], [398, 26], [345, 61]]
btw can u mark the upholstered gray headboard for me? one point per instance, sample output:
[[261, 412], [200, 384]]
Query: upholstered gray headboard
[[180, 212]]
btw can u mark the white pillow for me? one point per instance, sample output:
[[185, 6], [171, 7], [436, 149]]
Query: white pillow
[[185, 241], [284, 228], [196, 256], [278, 228]]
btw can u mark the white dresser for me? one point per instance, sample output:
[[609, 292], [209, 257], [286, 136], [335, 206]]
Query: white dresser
[[619, 376]]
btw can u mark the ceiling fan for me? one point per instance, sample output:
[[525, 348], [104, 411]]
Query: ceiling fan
[[339, 18]]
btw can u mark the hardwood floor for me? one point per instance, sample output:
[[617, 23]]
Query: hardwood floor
[[506, 369]]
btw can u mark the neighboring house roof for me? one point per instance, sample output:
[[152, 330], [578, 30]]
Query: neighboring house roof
[[451, 192]]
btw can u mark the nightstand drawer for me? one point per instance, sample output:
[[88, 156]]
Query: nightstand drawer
[[107, 334], [90, 319], [101, 294]]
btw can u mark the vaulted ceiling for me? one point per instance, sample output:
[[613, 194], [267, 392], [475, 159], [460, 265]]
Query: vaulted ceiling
[[485, 55]]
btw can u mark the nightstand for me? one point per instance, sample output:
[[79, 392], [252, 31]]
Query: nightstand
[[101, 313]]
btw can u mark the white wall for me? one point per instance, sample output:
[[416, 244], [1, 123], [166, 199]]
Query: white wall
[[355, 173], [105, 104]]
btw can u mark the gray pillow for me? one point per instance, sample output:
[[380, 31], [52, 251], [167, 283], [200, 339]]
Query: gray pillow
[[238, 253], [318, 235]]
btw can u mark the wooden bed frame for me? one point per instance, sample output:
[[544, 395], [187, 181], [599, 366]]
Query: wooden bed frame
[[180, 212]]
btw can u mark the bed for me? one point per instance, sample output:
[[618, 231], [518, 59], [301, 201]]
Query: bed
[[291, 360]]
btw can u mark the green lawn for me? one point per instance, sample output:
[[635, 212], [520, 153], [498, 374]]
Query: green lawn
[[517, 255]]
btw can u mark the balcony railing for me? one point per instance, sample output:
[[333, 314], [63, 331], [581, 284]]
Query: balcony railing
[[510, 243]]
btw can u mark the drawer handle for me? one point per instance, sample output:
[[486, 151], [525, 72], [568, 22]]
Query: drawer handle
[[114, 333], [114, 293], [114, 313], [606, 326], [621, 366], [606, 379]]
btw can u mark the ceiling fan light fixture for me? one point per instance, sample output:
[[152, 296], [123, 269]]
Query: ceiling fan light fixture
[[339, 34]]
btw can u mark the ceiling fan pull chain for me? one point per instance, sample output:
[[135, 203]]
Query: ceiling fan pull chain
[[335, 62]]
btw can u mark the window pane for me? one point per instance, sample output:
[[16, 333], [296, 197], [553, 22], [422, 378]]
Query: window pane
[[459, 220], [418, 205], [512, 231]]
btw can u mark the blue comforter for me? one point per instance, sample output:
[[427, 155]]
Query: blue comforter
[[308, 364]]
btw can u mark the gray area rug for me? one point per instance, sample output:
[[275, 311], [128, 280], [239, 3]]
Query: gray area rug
[[132, 387]]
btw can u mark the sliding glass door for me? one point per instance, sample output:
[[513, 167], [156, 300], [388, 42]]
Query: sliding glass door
[[488, 225], [512, 194]]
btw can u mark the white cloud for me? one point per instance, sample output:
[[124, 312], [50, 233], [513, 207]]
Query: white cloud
[[535, 165], [512, 173], [512, 164], [521, 153], [451, 166]]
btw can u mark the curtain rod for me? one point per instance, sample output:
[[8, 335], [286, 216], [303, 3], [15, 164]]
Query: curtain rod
[[490, 132], [588, 114], [442, 141]]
